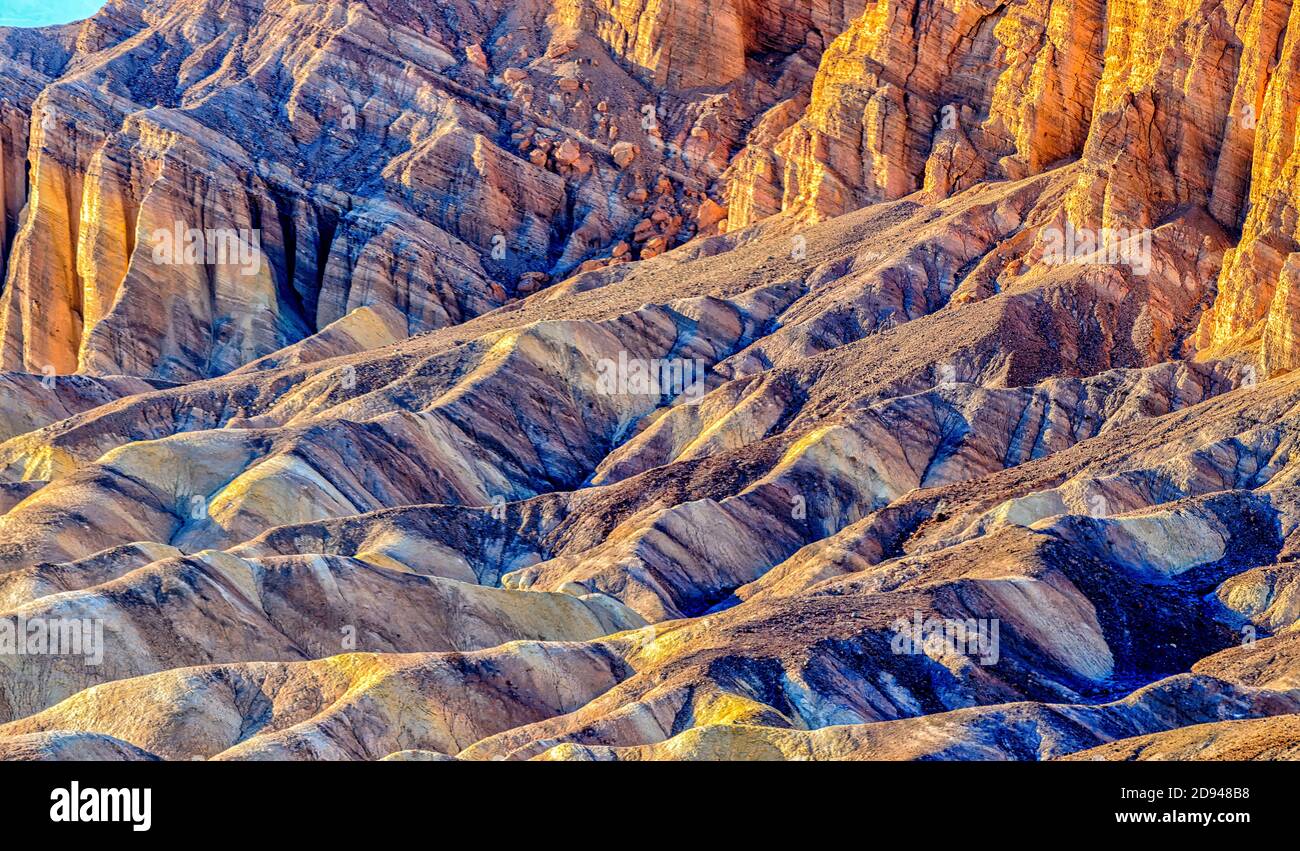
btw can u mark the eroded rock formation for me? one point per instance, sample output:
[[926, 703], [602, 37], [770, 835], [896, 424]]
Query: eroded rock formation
[[972, 313]]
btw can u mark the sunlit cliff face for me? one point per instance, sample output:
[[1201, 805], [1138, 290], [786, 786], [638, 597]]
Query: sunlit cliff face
[[651, 380]]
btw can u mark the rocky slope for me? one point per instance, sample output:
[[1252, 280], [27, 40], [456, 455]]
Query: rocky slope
[[383, 481]]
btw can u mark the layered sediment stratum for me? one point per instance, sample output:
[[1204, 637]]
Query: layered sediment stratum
[[584, 380]]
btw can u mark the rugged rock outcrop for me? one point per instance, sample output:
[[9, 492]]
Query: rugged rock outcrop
[[398, 157]]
